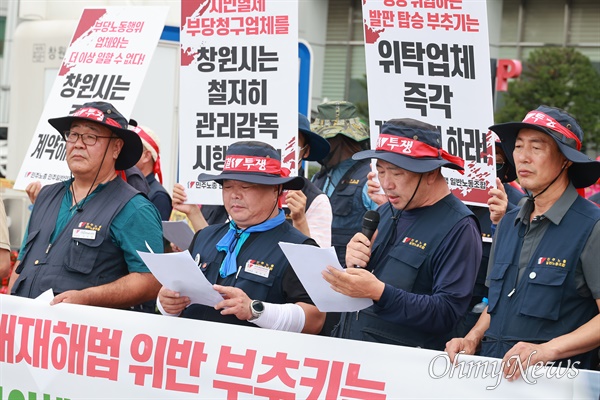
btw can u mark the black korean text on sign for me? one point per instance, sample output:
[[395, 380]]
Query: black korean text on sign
[[432, 59], [233, 59], [468, 144], [210, 158], [49, 146], [242, 126], [224, 92], [89, 86], [423, 96]]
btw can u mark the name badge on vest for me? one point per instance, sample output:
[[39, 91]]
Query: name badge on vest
[[256, 269], [84, 234]]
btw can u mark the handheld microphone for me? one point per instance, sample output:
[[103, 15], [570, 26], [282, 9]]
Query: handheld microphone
[[369, 223]]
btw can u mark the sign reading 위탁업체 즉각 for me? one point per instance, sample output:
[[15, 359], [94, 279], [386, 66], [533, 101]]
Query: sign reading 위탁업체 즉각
[[429, 60], [239, 63], [106, 60]]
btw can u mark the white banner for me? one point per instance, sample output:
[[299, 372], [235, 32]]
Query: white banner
[[107, 60], [429, 60], [80, 352], [239, 69]]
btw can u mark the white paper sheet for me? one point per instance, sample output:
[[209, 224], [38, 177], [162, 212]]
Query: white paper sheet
[[179, 272], [308, 262], [178, 232]]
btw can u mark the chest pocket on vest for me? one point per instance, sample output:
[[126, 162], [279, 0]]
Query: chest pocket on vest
[[544, 292], [405, 263], [255, 286], [82, 255], [343, 203], [496, 276]]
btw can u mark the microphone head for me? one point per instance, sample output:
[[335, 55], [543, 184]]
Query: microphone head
[[370, 220], [79, 209]]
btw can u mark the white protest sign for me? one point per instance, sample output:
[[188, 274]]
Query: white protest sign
[[107, 60], [238, 63], [429, 60]]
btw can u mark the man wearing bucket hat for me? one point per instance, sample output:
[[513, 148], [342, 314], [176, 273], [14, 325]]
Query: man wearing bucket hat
[[149, 164], [544, 286], [420, 266], [310, 209], [342, 178], [241, 258], [83, 233]]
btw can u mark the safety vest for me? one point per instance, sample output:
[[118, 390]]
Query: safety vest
[[83, 255], [407, 265], [544, 303], [347, 205], [259, 250]]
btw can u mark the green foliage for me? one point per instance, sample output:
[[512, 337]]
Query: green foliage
[[559, 77]]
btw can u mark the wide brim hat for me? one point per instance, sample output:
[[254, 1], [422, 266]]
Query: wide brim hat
[[566, 132], [105, 114], [319, 147], [411, 145], [254, 162], [339, 118]]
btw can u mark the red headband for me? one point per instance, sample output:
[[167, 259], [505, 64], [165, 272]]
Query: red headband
[[540, 119], [242, 163], [414, 149], [148, 139]]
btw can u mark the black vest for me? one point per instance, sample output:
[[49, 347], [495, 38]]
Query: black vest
[[545, 303], [261, 248], [347, 205], [72, 263], [407, 265]]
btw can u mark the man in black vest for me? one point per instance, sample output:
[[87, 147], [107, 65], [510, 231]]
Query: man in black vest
[[544, 286], [242, 258], [149, 164], [83, 233], [342, 178], [420, 266]]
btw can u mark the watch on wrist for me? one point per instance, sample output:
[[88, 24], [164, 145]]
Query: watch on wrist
[[257, 307]]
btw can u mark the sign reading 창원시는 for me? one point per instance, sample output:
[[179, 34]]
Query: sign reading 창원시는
[[239, 63], [106, 60]]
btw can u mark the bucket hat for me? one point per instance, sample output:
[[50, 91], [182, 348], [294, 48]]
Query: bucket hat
[[411, 145], [339, 117], [254, 162], [319, 147], [105, 114], [566, 132]]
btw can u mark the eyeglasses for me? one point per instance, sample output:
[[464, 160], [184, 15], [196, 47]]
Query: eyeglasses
[[499, 166], [89, 139]]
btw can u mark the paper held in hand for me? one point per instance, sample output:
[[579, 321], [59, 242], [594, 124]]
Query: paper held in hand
[[308, 263], [179, 272]]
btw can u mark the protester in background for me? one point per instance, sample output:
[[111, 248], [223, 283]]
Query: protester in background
[[242, 258], [149, 164], [420, 266], [309, 208], [544, 286], [83, 233], [342, 178], [4, 243]]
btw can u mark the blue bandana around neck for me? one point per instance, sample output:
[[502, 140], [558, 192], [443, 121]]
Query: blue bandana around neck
[[237, 237]]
